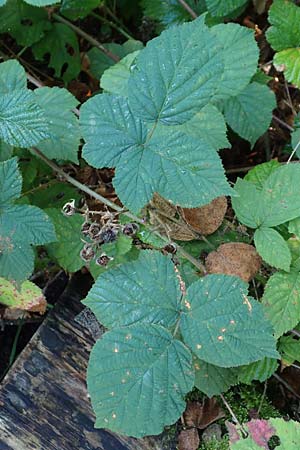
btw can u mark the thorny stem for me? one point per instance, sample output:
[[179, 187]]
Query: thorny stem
[[112, 205], [188, 9], [86, 36], [112, 25]]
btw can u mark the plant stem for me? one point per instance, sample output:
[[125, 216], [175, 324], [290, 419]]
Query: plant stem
[[188, 9], [284, 124], [12, 355], [235, 419], [86, 36], [286, 385], [114, 206], [112, 25]]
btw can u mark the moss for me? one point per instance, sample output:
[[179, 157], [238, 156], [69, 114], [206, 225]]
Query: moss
[[215, 445]]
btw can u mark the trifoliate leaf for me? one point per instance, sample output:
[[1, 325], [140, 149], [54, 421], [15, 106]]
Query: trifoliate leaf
[[243, 116], [213, 380], [171, 12], [29, 298], [10, 182], [223, 326], [182, 169], [61, 42], [259, 370], [234, 40], [77, 9], [146, 290], [146, 372], [281, 300], [12, 77], [208, 125], [24, 22], [22, 121], [99, 62], [272, 248], [66, 251], [221, 8], [176, 74], [259, 174], [64, 140], [115, 78]]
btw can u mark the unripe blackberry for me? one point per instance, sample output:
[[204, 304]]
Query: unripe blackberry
[[87, 253], [170, 248], [85, 228], [130, 229], [108, 235]]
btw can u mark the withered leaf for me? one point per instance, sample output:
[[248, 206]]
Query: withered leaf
[[207, 219], [234, 258], [188, 439], [201, 415]]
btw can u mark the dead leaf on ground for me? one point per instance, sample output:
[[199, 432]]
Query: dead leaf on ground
[[201, 415], [164, 216], [234, 258], [207, 219], [188, 439]]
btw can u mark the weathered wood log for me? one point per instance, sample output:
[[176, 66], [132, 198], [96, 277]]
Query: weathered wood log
[[44, 403]]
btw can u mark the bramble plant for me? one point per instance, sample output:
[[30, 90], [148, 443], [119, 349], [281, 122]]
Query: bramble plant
[[160, 120]]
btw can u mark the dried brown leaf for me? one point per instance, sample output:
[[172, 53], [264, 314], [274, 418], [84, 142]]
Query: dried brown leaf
[[234, 258], [207, 219], [188, 439], [201, 415]]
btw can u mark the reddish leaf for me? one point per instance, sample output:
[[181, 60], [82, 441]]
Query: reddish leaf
[[188, 439], [201, 415]]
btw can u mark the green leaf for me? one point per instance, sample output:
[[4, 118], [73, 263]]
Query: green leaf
[[288, 433], [145, 290], [29, 298], [296, 141], [146, 375], [42, 2], [22, 122], [289, 60], [182, 169], [221, 8], [246, 203], [10, 182], [289, 348], [224, 327], [6, 151], [234, 40], [20, 226], [284, 17], [24, 22], [243, 116], [77, 9], [66, 251], [276, 203], [208, 125], [177, 74], [259, 370], [170, 12], [281, 300], [55, 194], [259, 174], [273, 248], [57, 105], [213, 380], [99, 62], [294, 227], [12, 77], [61, 42], [115, 79]]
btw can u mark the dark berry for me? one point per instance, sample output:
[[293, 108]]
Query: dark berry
[[108, 235], [130, 229], [95, 231], [103, 260], [85, 228], [87, 253], [170, 248], [69, 208]]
